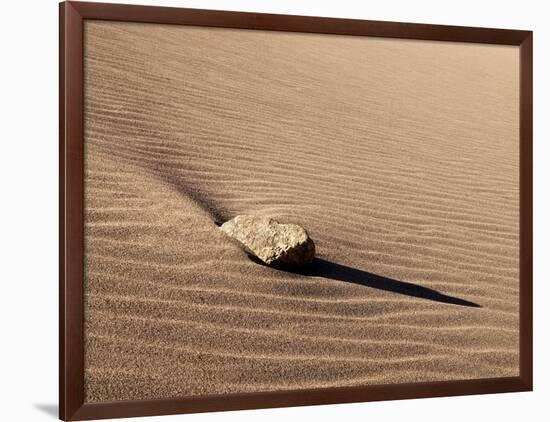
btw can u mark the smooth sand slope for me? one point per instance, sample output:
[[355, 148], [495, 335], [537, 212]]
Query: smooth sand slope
[[399, 157]]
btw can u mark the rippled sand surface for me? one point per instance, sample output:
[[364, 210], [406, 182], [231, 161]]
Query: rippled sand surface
[[399, 157]]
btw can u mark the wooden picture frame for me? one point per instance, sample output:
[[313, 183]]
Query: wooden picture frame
[[72, 17]]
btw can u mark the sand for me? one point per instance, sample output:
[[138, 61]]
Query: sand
[[399, 157]]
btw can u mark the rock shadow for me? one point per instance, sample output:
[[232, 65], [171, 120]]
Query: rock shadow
[[333, 271]]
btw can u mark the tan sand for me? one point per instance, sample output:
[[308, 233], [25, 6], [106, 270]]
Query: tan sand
[[399, 157]]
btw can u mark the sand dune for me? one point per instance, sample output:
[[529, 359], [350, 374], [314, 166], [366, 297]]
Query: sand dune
[[399, 157]]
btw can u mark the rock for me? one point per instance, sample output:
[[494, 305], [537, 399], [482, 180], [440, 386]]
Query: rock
[[271, 242]]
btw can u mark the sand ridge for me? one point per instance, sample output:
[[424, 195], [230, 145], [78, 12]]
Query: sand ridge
[[399, 157]]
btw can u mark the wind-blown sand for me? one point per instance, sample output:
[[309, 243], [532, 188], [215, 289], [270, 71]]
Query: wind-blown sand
[[399, 157]]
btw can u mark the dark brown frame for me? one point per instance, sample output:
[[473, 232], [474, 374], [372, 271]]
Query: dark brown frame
[[71, 221]]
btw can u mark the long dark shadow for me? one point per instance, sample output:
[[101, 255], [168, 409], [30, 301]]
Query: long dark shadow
[[331, 270]]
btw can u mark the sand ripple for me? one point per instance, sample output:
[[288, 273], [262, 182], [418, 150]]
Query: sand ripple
[[399, 157]]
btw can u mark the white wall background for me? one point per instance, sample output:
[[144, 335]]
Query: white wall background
[[28, 207]]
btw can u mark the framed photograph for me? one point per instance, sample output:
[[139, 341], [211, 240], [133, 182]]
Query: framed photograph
[[267, 210]]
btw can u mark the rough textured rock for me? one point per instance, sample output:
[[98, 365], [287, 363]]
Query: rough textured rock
[[271, 242]]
